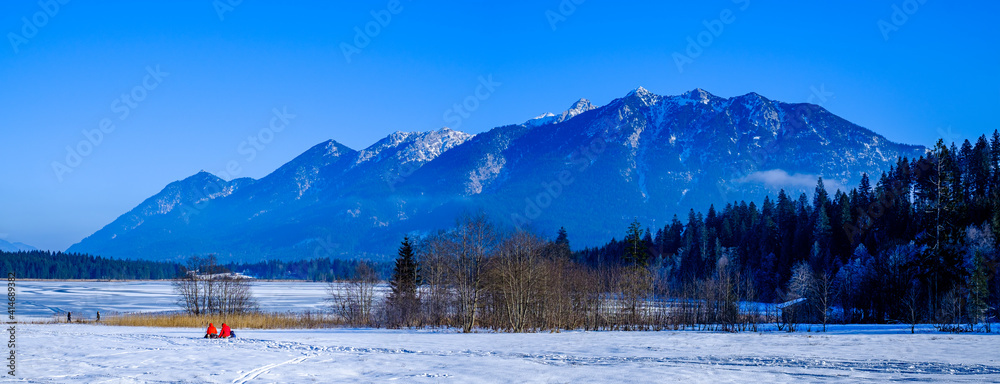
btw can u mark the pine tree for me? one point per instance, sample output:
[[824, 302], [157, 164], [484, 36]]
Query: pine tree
[[822, 234], [864, 192], [940, 207], [562, 244], [840, 242], [979, 291], [994, 189], [690, 269], [768, 233], [786, 231], [635, 251], [673, 236], [803, 230], [562, 238], [821, 199], [979, 181], [403, 299]]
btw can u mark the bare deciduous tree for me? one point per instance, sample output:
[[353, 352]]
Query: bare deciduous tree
[[469, 247], [821, 297], [204, 287], [913, 304], [354, 300], [436, 294], [517, 276]]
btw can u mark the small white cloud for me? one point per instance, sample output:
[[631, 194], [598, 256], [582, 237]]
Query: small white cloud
[[778, 178]]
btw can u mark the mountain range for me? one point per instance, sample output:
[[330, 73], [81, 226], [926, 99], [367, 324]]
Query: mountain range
[[591, 169], [6, 246]]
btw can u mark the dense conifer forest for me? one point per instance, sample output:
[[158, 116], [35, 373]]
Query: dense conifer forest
[[924, 231]]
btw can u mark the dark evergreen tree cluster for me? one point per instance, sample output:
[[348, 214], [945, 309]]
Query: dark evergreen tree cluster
[[58, 265], [320, 269], [926, 230]]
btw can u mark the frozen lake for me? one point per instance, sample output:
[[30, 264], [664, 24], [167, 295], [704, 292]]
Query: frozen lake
[[43, 299]]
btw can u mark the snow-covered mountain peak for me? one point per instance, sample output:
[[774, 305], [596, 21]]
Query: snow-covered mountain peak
[[580, 106], [319, 155], [200, 176], [414, 146], [697, 95], [429, 145], [751, 95], [640, 91], [332, 148], [646, 97]]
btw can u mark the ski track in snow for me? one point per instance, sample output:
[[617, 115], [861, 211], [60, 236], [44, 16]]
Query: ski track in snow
[[267, 368]]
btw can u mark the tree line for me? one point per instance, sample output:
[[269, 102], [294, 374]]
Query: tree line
[[60, 265], [480, 276]]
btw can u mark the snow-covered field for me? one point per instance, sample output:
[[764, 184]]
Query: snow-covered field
[[82, 353], [96, 354]]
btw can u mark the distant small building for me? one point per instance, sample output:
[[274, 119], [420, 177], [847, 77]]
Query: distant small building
[[218, 276], [799, 311]]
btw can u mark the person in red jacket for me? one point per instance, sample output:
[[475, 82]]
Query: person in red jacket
[[226, 332], [212, 332]]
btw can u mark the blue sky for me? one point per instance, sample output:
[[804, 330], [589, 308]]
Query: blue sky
[[910, 71]]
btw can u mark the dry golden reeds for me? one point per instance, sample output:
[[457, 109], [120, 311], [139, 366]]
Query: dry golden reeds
[[253, 320]]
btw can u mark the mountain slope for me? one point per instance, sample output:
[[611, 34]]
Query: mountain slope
[[6, 246], [590, 169]]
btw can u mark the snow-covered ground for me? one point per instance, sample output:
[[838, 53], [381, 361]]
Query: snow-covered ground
[[96, 354], [83, 353]]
